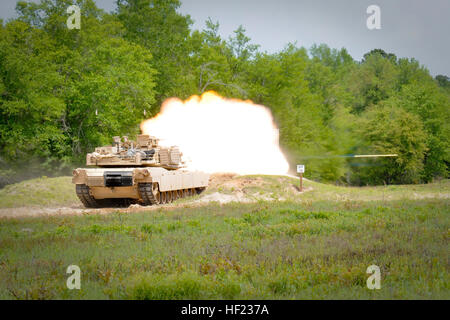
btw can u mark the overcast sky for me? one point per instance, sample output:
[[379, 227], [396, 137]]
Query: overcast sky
[[409, 28]]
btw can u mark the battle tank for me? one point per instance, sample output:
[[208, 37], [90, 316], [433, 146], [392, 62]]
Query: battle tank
[[136, 172]]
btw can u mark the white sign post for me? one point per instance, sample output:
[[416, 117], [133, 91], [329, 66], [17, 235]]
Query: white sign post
[[301, 170]]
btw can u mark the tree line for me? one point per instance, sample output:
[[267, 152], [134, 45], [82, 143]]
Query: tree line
[[63, 92]]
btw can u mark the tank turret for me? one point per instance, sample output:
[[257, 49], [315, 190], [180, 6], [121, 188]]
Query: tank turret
[[144, 152], [138, 171]]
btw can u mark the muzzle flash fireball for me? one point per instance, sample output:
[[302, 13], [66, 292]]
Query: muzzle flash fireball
[[219, 134]]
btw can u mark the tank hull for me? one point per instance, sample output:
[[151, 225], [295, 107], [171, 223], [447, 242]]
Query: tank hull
[[144, 185]]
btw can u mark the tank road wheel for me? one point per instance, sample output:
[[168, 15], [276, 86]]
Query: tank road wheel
[[149, 193], [85, 197], [169, 196], [157, 195]]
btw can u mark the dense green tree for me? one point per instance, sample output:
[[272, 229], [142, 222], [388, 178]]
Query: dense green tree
[[380, 52], [443, 81], [432, 106], [330, 57], [66, 91], [211, 61], [373, 81], [30, 104], [156, 25], [387, 129], [411, 71]]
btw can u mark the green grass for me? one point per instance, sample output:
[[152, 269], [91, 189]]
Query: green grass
[[314, 246], [39, 192]]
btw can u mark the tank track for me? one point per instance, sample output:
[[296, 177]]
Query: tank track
[[148, 195], [151, 195], [85, 197]]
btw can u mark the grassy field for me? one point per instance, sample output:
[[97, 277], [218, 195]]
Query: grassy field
[[315, 245], [39, 192]]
